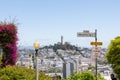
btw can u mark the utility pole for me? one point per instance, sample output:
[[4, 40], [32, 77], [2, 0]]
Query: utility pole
[[96, 51]]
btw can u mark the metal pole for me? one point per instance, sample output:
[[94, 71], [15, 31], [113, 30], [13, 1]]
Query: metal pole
[[96, 54], [36, 64], [55, 68]]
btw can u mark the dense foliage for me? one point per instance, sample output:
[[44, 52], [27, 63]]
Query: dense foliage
[[87, 75], [20, 73], [65, 46], [113, 55], [0, 60], [8, 41]]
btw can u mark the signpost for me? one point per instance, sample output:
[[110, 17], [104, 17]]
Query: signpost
[[96, 50], [86, 33]]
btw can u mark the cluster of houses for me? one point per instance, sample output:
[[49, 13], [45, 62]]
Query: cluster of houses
[[61, 62]]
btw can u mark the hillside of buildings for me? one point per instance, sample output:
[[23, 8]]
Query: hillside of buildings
[[63, 59]]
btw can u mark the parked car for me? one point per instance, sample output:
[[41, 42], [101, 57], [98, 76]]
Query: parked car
[[106, 74]]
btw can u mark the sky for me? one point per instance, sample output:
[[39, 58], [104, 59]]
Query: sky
[[46, 21]]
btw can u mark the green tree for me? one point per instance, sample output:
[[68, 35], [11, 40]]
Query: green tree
[[65, 46], [113, 55], [0, 61]]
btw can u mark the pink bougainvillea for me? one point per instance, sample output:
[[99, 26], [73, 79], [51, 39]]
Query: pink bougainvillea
[[8, 41]]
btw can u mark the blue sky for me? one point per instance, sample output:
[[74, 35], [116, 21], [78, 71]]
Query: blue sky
[[46, 20]]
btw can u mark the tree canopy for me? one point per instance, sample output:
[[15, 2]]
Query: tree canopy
[[113, 55], [65, 46]]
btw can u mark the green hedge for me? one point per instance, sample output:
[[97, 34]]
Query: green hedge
[[20, 73], [86, 75]]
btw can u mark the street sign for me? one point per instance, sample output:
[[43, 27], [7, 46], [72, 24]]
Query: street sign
[[96, 43], [86, 33], [96, 51]]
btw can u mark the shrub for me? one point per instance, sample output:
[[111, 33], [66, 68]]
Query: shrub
[[20, 73], [86, 75]]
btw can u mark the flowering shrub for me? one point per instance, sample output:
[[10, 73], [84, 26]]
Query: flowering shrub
[[8, 41]]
